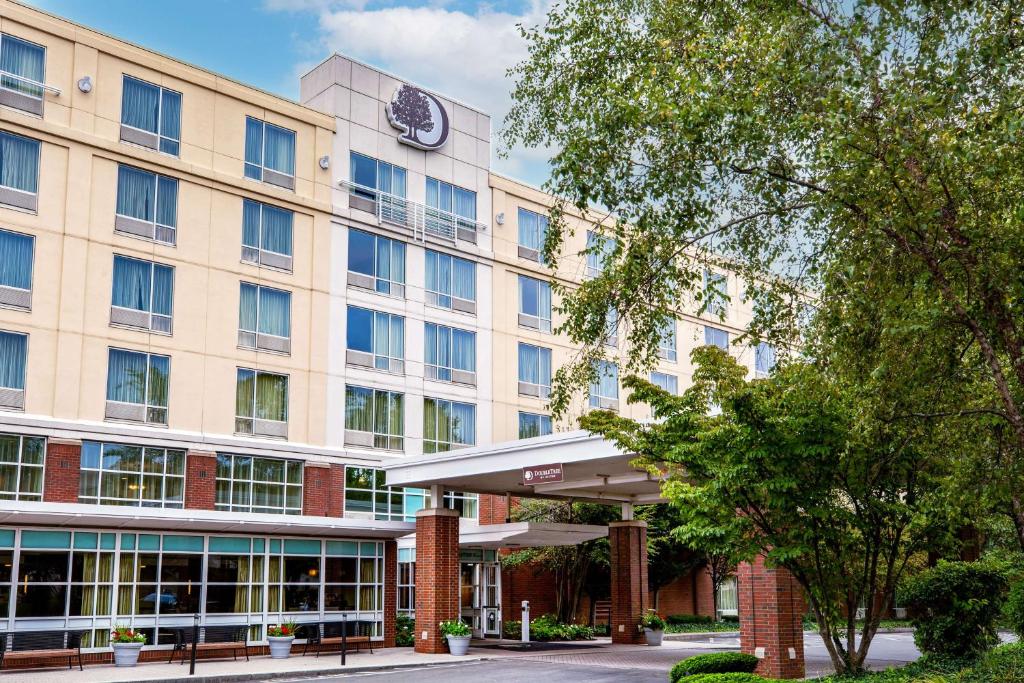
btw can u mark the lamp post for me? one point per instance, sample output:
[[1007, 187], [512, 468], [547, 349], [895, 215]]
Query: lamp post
[[195, 639]]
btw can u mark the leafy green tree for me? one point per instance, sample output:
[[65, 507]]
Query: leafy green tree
[[668, 558]]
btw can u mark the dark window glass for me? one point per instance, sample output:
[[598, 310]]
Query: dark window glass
[[340, 570], [38, 567], [6, 563], [147, 598], [339, 598], [360, 329], [301, 598], [181, 568], [180, 599], [361, 252], [225, 569], [41, 601], [147, 568], [302, 570], [226, 599]]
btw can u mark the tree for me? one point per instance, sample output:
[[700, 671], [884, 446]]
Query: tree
[[412, 109], [668, 558]]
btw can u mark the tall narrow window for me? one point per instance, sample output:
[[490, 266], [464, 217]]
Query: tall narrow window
[[716, 337], [137, 386], [447, 425], [265, 318], [533, 424], [261, 403], [269, 153], [449, 354], [667, 341], [13, 358], [451, 282], [151, 116], [376, 263], [604, 391], [716, 294], [534, 304], [267, 235], [451, 210], [119, 474], [611, 328], [21, 467], [16, 262], [375, 340], [142, 295], [22, 72], [250, 484], [374, 418], [764, 359], [533, 231], [669, 383], [534, 370], [599, 249], [19, 171], [147, 205]]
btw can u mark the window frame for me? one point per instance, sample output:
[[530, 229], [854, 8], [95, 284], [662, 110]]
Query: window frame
[[383, 497], [599, 248], [760, 350], [446, 373], [158, 133], [541, 419], [599, 400], [539, 230], [392, 364], [21, 467], [13, 296], [716, 301], [385, 286], [436, 443], [526, 387], [371, 192], [40, 85], [146, 405], [142, 474], [13, 398], [669, 352], [251, 482], [123, 223], [123, 313], [27, 200], [261, 164], [282, 425], [391, 442], [436, 297], [711, 332], [260, 255], [271, 343], [544, 324], [674, 381]]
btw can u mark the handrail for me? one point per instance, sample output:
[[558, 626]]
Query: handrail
[[416, 216], [48, 88]]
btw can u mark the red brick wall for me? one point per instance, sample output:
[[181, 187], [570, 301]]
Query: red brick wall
[[493, 509], [771, 606], [316, 486], [62, 470], [336, 492], [688, 594], [390, 591], [200, 480], [628, 541], [529, 582], [437, 575]]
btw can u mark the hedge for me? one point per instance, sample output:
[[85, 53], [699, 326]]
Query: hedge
[[712, 663], [677, 619], [729, 678]]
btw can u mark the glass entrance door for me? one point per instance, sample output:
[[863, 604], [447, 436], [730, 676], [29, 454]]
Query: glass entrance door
[[491, 608], [469, 601]]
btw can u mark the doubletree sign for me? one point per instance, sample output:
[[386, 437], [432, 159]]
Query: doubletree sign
[[420, 116]]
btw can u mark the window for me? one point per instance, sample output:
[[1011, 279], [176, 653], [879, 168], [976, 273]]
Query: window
[[21, 467], [264, 318], [266, 235], [611, 327], [604, 391], [534, 304], [764, 359], [369, 174], [349, 573], [367, 493], [727, 598], [261, 403], [22, 72], [16, 261], [13, 357], [375, 340], [447, 425], [669, 383], [467, 504], [19, 171], [137, 386], [716, 337], [250, 484], [235, 571], [716, 294], [451, 210], [151, 116], [599, 249], [533, 231], [533, 424], [451, 282], [374, 418], [667, 341], [269, 153], [147, 205], [116, 474], [142, 295], [376, 263], [449, 354], [534, 370], [407, 581]]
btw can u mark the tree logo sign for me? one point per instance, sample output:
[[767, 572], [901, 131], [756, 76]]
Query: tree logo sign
[[420, 116]]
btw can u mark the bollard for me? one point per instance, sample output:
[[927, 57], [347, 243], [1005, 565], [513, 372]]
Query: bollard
[[344, 637], [195, 639], [526, 621]]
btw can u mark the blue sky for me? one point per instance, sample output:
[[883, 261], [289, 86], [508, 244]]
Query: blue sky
[[459, 48]]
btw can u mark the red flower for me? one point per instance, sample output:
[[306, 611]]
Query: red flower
[[284, 630]]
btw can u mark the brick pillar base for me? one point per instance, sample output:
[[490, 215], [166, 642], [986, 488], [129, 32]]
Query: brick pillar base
[[390, 591], [62, 470], [629, 579], [771, 609], [437, 575], [200, 480]]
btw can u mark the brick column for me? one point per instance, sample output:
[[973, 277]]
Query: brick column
[[336, 491], [316, 483], [62, 470], [628, 540], [200, 480], [437, 575], [390, 591], [771, 607]]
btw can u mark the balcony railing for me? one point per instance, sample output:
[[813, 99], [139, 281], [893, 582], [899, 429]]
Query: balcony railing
[[23, 93], [421, 219]]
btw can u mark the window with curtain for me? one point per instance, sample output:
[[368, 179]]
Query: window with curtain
[[764, 359], [259, 396], [534, 304], [599, 249], [268, 147], [716, 294], [120, 474], [13, 357], [264, 310], [716, 337], [448, 349], [153, 109], [21, 467], [533, 231], [451, 198], [534, 370], [450, 282], [533, 424], [234, 575], [667, 341], [372, 174], [252, 484], [148, 197], [605, 389], [19, 163], [16, 260], [447, 425], [669, 383], [379, 259], [378, 412], [379, 334], [22, 68], [267, 234], [139, 378], [367, 492], [144, 286]]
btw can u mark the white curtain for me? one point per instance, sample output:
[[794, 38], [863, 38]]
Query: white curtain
[[607, 384], [13, 353], [465, 203], [16, 260], [23, 59], [533, 229], [140, 105], [19, 162], [765, 357], [271, 397], [126, 376], [170, 121]]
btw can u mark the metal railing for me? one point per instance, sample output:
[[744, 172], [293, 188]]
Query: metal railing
[[421, 219], [29, 82]]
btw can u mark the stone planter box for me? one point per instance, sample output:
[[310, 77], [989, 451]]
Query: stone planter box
[[458, 645], [654, 637], [280, 646], [126, 654]]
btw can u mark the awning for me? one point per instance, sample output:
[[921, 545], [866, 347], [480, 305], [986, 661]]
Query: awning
[[519, 535]]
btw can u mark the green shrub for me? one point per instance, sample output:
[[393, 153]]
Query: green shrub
[[729, 678], [713, 663], [957, 604], [652, 621], [1004, 664], [1013, 609], [677, 619], [547, 628], [405, 631]]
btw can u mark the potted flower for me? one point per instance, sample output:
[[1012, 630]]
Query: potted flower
[[127, 643], [280, 637], [458, 635], [654, 627]]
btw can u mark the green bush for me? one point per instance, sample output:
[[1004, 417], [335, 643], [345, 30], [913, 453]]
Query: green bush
[[729, 678], [713, 663], [547, 628], [677, 619], [405, 631], [1013, 609], [957, 604], [1004, 664]]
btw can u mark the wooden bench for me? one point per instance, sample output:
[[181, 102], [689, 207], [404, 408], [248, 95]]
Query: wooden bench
[[327, 634], [212, 639], [41, 644]]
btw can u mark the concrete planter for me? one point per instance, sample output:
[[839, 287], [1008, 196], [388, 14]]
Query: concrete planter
[[458, 645], [280, 646], [654, 637], [126, 654]]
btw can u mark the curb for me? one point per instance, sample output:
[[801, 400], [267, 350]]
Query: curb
[[704, 635]]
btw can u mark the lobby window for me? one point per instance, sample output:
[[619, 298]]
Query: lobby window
[[533, 424], [375, 340], [13, 359], [667, 341], [19, 171], [22, 72], [407, 581], [165, 583], [267, 235], [261, 403], [234, 575], [669, 383], [374, 418], [451, 282], [264, 318], [116, 474], [599, 250], [151, 116], [137, 386], [367, 493], [142, 296], [447, 425], [269, 153], [21, 467], [350, 574], [533, 231], [250, 484], [604, 391], [372, 176], [764, 359], [376, 263], [147, 205], [534, 370], [716, 294], [534, 304], [716, 337], [449, 354], [17, 255]]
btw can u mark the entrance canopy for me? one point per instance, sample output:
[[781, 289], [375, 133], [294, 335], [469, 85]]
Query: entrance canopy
[[570, 465]]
